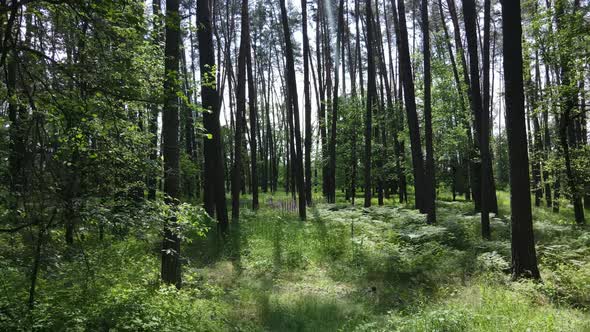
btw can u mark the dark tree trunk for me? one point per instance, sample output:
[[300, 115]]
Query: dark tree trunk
[[270, 141], [383, 183], [568, 100], [399, 125], [358, 101], [489, 183], [464, 159], [430, 183], [371, 102], [236, 184], [390, 90], [473, 166], [328, 84], [213, 182], [410, 103], [171, 272], [36, 266], [358, 47], [481, 114], [253, 105], [307, 96], [293, 105], [322, 96], [332, 144], [524, 259]]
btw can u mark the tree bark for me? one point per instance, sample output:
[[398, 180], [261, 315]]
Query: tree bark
[[322, 96], [474, 167], [331, 197], [568, 100], [293, 106], [253, 105], [464, 158], [481, 114], [307, 97], [430, 183], [171, 272], [524, 260], [371, 103], [236, 184], [410, 103], [213, 182]]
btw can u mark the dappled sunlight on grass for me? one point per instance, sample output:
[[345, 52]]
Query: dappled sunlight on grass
[[346, 268], [374, 268]]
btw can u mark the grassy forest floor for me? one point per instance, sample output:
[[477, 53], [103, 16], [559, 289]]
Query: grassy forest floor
[[347, 268]]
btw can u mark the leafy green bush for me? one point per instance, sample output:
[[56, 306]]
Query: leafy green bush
[[569, 283]]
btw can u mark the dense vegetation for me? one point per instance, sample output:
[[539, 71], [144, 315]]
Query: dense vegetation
[[247, 165], [347, 268]]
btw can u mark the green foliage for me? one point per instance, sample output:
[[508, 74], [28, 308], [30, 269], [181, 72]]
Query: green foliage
[[347, 268], [485, 306], [115, 289], [501, 165]]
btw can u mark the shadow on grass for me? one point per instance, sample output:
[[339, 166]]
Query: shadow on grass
[[216, 246]]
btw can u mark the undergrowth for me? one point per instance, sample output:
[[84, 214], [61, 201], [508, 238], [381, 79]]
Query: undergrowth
[[347, 268]]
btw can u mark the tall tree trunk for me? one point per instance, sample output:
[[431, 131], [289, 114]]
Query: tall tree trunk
[[360, 81], [332, 144], [322, 96], [489, 182], [430, 183], [358, 46], [474, 167], [253, 105], [171, 272], [307, 96], [524, 259], [269, 138], [568, 100], [481, 118], [399, 125], [410, 103], [197, 144], [236, 184], [213, 182], [293, 105], [390, 90], [383, 184], [328, 84], [353, 140], [464, 159], [371, 101]]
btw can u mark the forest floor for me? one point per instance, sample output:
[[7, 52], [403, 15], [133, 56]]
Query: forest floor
[[347, 268]]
